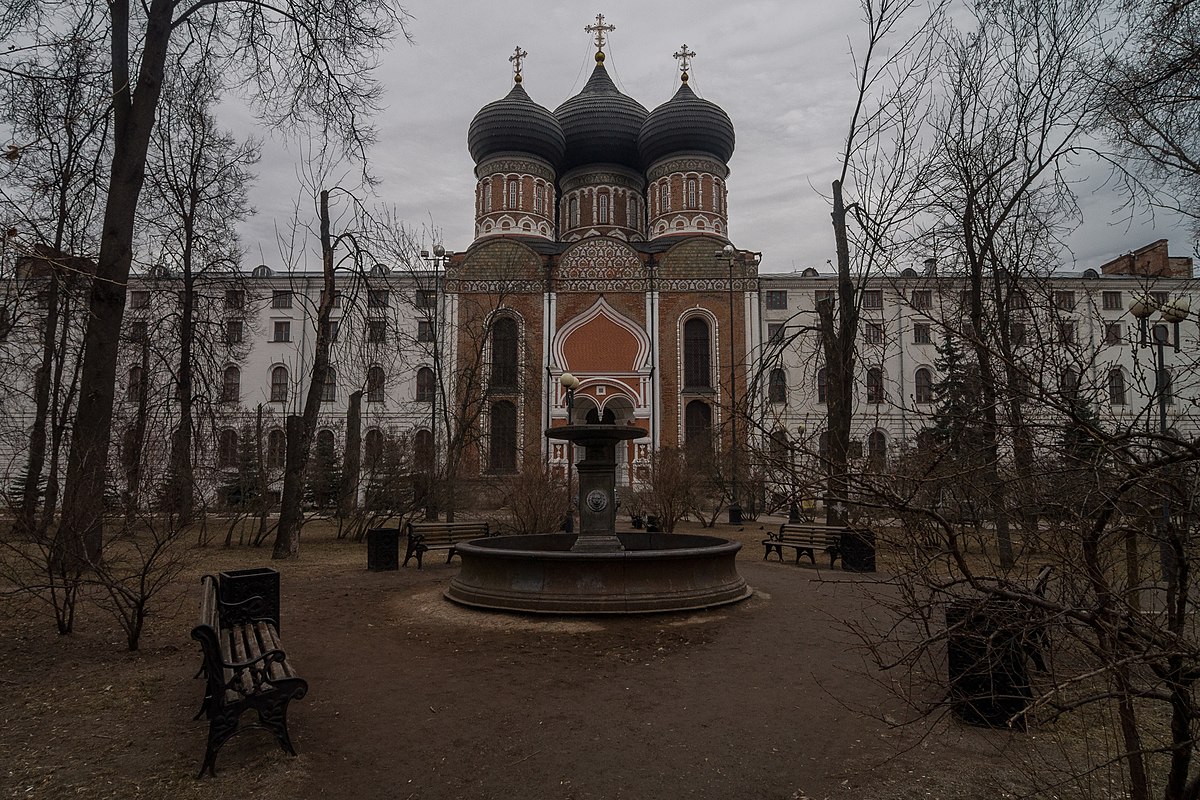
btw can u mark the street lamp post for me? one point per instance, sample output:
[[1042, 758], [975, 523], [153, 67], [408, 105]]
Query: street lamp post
[[570, 383], [437, 260], [735, 509], [1158, 338]]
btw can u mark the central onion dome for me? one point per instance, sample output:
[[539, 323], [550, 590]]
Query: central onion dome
[[686, 124], [516, 124], [601, 124]]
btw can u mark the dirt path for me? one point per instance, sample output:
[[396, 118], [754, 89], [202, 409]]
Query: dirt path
[[413, 697]]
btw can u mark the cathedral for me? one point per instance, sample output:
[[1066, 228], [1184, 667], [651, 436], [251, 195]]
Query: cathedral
[[601, 250]]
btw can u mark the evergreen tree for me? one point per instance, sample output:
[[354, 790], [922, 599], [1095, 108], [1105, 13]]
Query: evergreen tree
[[391, 486], [241, 487], [323, 477], [956, 393]]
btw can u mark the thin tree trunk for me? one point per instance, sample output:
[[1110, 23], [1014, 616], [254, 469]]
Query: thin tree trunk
[[37, 435], [264, 498], [181, 482], [300, 428], [837, 337], [352, 457], [133, 473], [60, 415]]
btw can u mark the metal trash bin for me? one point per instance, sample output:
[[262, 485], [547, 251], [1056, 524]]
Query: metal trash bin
[[987, 647], [239, 585], [857, 547], [383, 549]]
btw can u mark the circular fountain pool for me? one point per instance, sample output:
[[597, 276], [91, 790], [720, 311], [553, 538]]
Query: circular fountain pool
[[653, 572]]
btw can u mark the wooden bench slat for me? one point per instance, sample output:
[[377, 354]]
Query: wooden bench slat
[[805, 539], [245, 669]]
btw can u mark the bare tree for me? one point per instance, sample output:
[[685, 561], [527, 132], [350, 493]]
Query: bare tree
[[301, 428], [1150, 102], [309, 62], [880, 167], [56, 109], [196, 194]]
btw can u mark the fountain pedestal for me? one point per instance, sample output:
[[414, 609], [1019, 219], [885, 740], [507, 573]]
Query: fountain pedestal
[[597, 483]]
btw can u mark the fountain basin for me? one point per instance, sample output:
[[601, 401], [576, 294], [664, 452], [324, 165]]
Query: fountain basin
[[655, 572]]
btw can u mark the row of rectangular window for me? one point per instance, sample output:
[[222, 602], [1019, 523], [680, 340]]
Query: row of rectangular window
[[922, 299], [283, 298], [923, 333]]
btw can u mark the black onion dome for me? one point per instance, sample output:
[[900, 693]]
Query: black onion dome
[[516, 124], [601, 124], [686, 124]]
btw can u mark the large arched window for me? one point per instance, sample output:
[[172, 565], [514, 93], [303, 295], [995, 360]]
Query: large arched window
[[424, 385], [279, 385], [276, 449], [134, 388], [129, 449], [821, 385], [423, 450], [329, 390], [573, 212], [697, 426], [325, 441], [777, 386], [512, 193], [504, 353], [231, 385], [875, 394], [697, 368], [1116, 387], [602, 209], [487, 197], [502, 453], [539, 198], [375, 384], [876, 450], [923, 385], [1068, 382], [691, 193], [227, 449], [372, 448]]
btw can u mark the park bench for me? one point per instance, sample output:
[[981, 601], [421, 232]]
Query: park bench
[[806, 539], [425, 536], [244, 668]]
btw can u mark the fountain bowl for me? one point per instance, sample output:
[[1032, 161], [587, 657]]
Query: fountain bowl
[[656, 572]]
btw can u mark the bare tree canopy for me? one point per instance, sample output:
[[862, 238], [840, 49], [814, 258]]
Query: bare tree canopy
[[307, 63]]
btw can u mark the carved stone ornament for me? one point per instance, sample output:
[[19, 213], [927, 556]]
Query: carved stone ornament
[[597, 500]]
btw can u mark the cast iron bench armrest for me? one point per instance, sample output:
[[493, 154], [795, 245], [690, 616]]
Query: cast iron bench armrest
[[245, 668]]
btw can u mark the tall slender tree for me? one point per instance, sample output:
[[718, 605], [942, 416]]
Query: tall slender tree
[[307, 62], [196, 194]]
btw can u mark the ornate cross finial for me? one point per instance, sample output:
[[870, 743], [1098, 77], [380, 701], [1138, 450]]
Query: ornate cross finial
[[600, 29], [516, 58], [684, 57]]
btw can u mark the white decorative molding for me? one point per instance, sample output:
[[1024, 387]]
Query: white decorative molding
[[601, 308]]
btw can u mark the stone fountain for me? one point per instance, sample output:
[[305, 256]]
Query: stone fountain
[[599, 571]]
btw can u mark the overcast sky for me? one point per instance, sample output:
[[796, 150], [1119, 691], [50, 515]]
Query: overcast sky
[[782, 71]]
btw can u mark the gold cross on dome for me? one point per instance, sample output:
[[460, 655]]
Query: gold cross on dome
[[684, 57], [600, 29], [516, 58]]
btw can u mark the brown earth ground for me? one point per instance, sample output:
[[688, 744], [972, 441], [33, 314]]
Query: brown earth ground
[[413, 697]]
